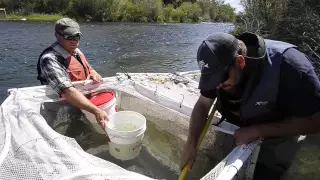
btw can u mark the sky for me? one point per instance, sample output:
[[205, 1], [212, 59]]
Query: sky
[[235, 4]]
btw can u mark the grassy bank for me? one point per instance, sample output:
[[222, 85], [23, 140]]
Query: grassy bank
[[33, 17]]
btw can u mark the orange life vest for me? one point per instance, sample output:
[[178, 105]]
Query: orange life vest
[[77, 70]]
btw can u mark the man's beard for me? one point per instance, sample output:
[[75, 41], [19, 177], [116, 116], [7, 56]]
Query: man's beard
[[238, 90], [241, 84]]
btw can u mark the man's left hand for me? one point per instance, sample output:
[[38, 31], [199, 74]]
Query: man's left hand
[[246, 135], [95, 77]]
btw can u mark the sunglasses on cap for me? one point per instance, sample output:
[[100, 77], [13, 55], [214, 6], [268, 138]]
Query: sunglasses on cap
[[76, 37]]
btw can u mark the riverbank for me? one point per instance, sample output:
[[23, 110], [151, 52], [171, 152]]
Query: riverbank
[[142, 11], [33, 17], [54, 17]]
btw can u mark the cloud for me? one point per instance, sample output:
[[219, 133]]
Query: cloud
[[235, 4]]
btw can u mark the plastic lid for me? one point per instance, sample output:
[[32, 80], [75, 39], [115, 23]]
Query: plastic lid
[[101, 98]]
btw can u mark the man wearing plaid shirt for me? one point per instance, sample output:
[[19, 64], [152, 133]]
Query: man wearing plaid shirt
[[63, 63]]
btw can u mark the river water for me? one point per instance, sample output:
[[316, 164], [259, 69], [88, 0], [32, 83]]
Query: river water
[[107, 46]]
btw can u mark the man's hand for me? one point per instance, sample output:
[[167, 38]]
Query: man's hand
[[95, 77], [188, 156], [101, 117], [246, 135]]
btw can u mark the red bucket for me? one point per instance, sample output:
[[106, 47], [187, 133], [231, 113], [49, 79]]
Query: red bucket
[[102, 98], [106, 101]]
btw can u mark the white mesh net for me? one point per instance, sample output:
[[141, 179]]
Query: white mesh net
[[38, 152], [43, 137]]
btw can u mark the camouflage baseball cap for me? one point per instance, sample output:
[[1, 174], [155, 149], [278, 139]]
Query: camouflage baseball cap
[[67, 26]]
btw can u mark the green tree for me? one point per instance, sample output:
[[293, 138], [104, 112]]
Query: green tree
[[192, 11], [168, 13], [209, 9], [116, 10], [226, 13], [293, 21], [152, 8]]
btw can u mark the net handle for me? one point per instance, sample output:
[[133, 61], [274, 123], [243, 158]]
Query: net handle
[[203, 133]]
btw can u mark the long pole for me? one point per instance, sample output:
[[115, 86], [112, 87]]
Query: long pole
[[203, 133]]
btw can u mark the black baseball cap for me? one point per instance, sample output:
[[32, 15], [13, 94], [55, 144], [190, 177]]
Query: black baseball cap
[[215, 56]]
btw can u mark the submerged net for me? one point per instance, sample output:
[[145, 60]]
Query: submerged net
[[43, 137]]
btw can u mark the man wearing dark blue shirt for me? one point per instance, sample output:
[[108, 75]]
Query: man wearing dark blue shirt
[[266, 87]]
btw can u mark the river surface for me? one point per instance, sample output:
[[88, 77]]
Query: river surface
[[107, 46]]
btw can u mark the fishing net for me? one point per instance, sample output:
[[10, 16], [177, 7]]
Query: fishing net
[[44, 137], [36, 151]]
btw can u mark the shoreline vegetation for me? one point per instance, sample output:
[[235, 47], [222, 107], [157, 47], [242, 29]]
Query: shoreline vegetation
[[155, 11], [33, 17], [294, 21]]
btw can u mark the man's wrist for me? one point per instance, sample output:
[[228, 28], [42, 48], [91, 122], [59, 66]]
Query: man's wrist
[[260, 132], [192, 141], [93, 72], [96, 110]]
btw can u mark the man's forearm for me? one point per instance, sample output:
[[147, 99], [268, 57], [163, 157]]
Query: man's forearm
[[197, 122], [77, 99], [291, 126]]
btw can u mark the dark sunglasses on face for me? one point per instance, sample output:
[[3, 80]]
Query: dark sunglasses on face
[[76, 37]]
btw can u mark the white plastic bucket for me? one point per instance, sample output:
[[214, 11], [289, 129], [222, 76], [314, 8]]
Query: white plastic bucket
[[109, 107], [126, 131]]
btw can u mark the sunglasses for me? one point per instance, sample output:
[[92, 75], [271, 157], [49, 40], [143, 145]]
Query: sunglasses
[[76, 37]]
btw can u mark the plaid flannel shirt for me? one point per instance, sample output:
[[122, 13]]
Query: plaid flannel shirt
[[54, 68]]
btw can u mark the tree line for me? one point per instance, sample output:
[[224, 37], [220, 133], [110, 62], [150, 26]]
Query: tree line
[[127, 10], [293, 21]]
